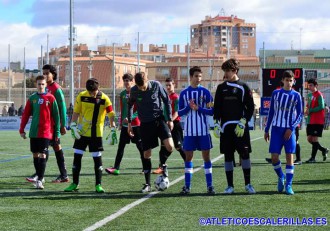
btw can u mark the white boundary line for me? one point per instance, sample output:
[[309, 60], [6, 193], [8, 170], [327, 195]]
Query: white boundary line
[[123, 210], [139, 201]]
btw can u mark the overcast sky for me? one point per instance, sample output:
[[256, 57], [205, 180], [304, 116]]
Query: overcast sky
[[281, 24]]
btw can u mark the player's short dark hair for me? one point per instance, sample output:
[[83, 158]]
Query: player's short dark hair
[[194, 69], [40, 77], [51, 69], [128, 76], [287, 74], [230, 64], [169, 79], [140, 78], [312, 81], [92, 84]]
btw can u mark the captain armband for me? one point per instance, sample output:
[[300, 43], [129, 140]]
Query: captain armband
[[210, 105]]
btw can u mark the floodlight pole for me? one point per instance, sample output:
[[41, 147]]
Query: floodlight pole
[[138, 52], [47, 52], [24, 82], [41, 59], [113, 78], [9, 82], [71, 54]]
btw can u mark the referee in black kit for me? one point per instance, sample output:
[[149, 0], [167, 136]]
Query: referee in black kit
[[150, 96]]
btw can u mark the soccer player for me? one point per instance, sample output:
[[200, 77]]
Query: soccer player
[[234, 107], [150, 97], [87, 128], [123, 122], [315, 120], [177, 133], [55, 89], [45, 124], [196, 103], [284, 115]]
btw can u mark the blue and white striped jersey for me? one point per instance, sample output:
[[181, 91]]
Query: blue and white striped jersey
[[196, 122], [285, 110]]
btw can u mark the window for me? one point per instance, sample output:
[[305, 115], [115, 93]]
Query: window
[[183, 71], [78, 68], [165, 72]]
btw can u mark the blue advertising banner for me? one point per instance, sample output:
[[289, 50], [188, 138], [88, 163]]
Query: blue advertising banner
[[264, 106]]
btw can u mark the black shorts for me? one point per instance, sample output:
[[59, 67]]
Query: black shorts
[[94, 144], [229, 142], [177, 134], [314, 130], [124, 137], [39, 145], [54, 142], [151, 131]]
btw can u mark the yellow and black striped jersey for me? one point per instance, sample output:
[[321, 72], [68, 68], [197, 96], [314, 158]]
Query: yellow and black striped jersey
[[92, 111]]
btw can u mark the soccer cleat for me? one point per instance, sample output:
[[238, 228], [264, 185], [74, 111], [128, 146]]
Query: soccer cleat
[[165, 171], [325, 154], [229, 190], [158, 171], [280, 184], [185, 190], [32, 178], [269, 160], [210, 190], [99, 189], [249, 188], [310, 161], [72, 187], [39, 185], [113, 171], [146, 188], [297, 162], [61, 179], [288, 190]]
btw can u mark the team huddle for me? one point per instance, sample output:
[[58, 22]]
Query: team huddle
[[150, 112]]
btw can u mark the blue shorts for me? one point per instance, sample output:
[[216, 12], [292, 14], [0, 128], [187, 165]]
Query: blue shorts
[[277, 141], [200, 143]]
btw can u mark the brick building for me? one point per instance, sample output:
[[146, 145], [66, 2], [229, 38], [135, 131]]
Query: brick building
[[97, 66], [215, 35]]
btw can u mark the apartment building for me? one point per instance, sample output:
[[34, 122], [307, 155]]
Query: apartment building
[[216, 35]]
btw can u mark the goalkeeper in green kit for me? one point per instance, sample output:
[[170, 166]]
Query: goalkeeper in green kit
[[234, 107], [87, 125]]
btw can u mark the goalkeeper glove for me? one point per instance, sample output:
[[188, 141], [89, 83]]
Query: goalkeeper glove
[[217, 130], [74, 131], [112, 137], [239, 130]]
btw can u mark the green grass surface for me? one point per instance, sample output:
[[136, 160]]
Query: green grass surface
[[24, 208]]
